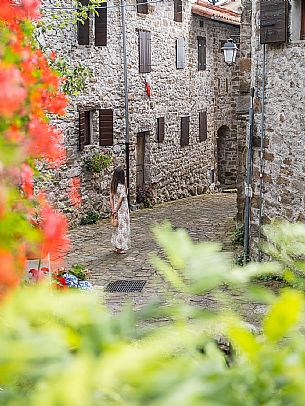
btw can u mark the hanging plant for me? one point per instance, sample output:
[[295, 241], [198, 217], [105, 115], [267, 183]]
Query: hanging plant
[[97, 163]]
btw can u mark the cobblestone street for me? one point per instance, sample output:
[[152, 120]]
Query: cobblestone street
[[207, 217]]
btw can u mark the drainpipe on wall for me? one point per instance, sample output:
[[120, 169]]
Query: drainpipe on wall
[[123, 5], [261, 172], [248, 189]]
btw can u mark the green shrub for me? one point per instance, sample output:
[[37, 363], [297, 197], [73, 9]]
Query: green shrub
[[97, 163], [66, 348], [79, 271], [90, 218]]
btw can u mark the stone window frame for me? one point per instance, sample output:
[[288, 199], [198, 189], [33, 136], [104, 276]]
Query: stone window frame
[[94, 122]]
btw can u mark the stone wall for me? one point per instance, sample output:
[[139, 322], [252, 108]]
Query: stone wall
[[175, 171], [281, 193]]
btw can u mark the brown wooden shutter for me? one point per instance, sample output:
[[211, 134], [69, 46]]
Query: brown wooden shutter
[[84, 129], [178, 11], [144, 51], [101, 26], [185, 131], [180, 53], [203, 126], [201, 53], [160, 134], [142, 6], [273, 21], [106, 127], [83, 29], [302, 33], [81, 134]]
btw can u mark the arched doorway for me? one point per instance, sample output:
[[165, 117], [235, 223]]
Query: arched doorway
[[226, 157]]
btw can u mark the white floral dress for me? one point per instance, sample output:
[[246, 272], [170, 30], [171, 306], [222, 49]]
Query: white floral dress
[[121, 234]]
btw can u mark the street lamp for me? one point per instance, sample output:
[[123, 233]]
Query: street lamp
[[229, 50]]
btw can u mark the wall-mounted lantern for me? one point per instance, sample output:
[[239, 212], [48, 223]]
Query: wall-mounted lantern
[[229, 51]]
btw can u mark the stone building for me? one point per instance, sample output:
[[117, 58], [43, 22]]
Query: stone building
[[181, 137], [272, 64]]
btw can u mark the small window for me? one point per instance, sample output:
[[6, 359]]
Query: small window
[[83, 28], [106, 127], [203, 127], [84, 129], [142, 7], [201, 53], [160, 129], [178, 11], [144, 51], [180, 53], [185, 131], [201, 25], [101, 26]]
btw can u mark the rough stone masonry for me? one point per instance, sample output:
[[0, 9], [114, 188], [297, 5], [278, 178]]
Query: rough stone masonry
[[176, 171]]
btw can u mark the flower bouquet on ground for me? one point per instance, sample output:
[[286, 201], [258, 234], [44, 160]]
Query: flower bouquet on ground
[[75, 278]]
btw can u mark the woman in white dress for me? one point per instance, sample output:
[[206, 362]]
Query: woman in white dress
[[119, 207]]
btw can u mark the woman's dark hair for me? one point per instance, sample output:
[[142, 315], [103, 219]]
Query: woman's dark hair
[[117, 177]]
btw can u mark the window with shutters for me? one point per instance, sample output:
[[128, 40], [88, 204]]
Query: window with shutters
[[83, 28], [203, 126], [160, 129], [185, 131], [85, 128], [142, 7], [100, 28], [201, 53], [180, 53], [178, 11], [106, 127], [273, 21], [297, 20], [144, 51]]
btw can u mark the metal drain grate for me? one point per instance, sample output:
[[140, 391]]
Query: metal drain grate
[[125, 286]]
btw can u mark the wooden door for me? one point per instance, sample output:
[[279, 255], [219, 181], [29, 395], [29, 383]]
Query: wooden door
[[140, 159], [302, 34]]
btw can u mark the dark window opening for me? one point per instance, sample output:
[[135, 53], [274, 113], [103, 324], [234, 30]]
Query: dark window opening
[[160, 129], [178, 11], [142, 7], [101, 26], [201, 53], [83, 28], [203, 126], [185, 131]]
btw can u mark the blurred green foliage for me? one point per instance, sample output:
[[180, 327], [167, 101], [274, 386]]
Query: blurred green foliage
[[67, 349]]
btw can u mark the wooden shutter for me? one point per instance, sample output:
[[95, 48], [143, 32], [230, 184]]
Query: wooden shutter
[[83, 29], [160, 134], [203, 126], [144, 51], [302, 33], [101, 26], [185, 131], [106, 127], [142, 6], [178, 11], [201, 53], [180, 53], [273, 21], [84, 129]]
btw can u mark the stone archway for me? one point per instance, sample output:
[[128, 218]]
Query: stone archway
[[226, 157]]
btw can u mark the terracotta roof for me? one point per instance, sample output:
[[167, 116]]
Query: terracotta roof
[[218, 13]]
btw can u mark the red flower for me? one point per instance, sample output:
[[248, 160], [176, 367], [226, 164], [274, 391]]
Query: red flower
[[12, 94], [8, 275], [27, 182], [74, 193], [53, 55]]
